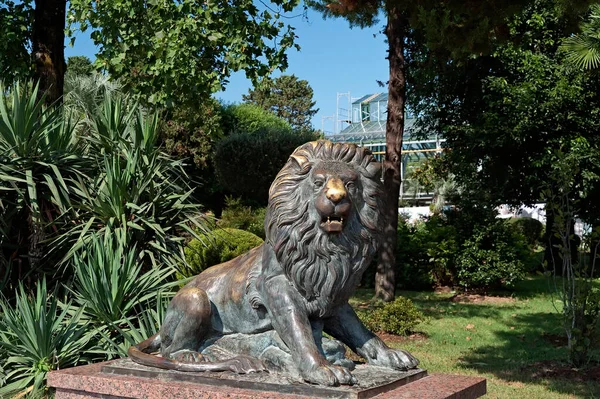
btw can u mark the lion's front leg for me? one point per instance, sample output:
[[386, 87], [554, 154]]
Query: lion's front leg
[[290, 320], [347, 327]]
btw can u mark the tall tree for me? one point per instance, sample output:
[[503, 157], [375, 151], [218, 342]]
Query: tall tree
[[15, 26], [48, 43], [177, 51], [166, 51], [453, 28], [506, 113], [287, 97], [79, 65]]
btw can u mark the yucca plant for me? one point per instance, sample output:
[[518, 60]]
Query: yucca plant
[[37, 336], [133, 330], [39, 154], [113, 292], [110, 283], [139, 189]]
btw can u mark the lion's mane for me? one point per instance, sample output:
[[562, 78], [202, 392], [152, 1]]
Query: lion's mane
[[323, 268]]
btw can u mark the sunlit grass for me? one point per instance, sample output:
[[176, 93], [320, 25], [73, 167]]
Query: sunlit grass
[[500, 341]]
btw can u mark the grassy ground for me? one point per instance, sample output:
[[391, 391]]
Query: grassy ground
[[500, 339]]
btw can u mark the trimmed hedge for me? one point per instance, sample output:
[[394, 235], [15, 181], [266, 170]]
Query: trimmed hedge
[[246, 164]]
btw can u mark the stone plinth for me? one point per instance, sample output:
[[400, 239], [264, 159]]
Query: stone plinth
[[123, 379]]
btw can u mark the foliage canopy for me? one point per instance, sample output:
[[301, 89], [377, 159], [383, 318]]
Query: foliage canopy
[[288, 97], [173, 52]]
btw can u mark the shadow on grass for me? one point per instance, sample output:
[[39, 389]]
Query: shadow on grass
[[520, 355]]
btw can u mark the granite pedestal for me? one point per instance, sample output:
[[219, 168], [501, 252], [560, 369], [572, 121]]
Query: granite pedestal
[[125, 379]]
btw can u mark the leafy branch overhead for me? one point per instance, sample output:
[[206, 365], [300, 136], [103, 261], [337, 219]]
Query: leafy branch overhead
[[177, 51]]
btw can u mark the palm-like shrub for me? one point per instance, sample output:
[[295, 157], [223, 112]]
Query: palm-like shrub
[[110, 283], [106, 200], [85, 93], [139, 188], [134, 330], [583, 49], [112, 290], [37, 336], [39, 153]]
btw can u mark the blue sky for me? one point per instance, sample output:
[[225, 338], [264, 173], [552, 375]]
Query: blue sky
[[333, 58]]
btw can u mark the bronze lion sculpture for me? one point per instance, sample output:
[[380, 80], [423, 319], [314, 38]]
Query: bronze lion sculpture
[[268, 308]]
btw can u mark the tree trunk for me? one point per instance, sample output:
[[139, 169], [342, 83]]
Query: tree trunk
[[49, 47], [552, 258], [385, 277]]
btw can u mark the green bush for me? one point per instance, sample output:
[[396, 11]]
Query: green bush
[[413, 267], [242, 217], [250, 118], [399, 317], [461, 248], [221, 246], [192, 131], [530, 228], [426, 253], [246, 164], [492, 257]]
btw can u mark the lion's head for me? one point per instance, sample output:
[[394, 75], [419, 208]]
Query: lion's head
[[323, 219]]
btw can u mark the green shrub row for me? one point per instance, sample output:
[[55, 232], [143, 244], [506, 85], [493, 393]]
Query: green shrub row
[[449, 250]]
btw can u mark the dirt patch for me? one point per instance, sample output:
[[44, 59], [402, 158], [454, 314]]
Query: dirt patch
[[443, 290], [557, 370], [556, 340], [475, 298]]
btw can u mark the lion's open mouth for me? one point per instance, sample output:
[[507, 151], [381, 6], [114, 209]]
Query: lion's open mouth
[[332, 224]]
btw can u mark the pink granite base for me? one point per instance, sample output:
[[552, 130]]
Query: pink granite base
[[86, 382]]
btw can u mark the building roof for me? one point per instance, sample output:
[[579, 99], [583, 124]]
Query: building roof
[[374, 131], [369, 98]]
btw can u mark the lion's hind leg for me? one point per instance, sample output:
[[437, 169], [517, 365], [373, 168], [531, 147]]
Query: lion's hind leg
[[186, 325], [184, 329]]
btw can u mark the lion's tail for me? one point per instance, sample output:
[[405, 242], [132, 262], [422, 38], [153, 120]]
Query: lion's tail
[[142, 354]]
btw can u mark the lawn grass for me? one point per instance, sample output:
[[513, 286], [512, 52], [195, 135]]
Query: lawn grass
[[499, 341]]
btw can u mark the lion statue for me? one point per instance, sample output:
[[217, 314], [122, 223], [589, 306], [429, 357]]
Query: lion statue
[[267, 309]]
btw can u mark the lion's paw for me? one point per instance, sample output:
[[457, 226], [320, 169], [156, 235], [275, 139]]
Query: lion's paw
[[396, 359], [329, 375], [245, 365]]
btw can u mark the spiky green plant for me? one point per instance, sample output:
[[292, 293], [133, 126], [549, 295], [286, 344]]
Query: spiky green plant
[[39, 154], [138, 327], [85, 94], [110, 283], [139, 188], [37, 336], [583, 49]]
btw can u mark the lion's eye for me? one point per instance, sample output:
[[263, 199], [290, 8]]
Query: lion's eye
[[319, 183], [350, 185]]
